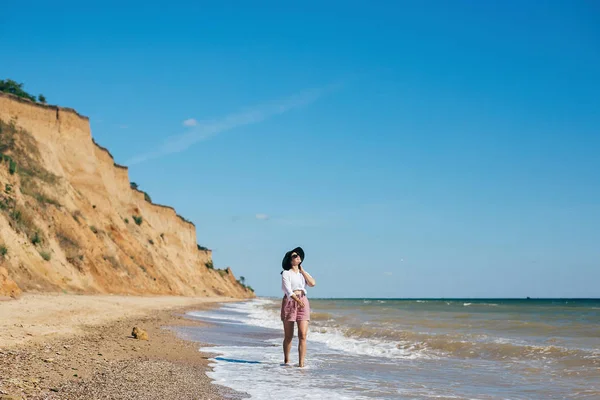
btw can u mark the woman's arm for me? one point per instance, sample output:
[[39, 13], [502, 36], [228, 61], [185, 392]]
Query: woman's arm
[[310, 281], [286, 284]]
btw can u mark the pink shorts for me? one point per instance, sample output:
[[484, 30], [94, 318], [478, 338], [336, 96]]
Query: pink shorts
[[291, 312]]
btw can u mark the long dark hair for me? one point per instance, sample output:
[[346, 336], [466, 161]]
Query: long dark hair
[[287, 264]]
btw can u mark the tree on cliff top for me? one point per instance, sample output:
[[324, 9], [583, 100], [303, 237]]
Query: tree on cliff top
[[10, 86]]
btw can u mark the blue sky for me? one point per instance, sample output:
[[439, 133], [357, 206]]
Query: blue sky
[[413, 148]]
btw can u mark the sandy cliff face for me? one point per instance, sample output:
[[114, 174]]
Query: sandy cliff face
[[69, 219]]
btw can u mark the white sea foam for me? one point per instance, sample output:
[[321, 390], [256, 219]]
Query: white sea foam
[[336, 340], [254, 313], [266, 378], [347, 366], [214, 316], [258, 370]]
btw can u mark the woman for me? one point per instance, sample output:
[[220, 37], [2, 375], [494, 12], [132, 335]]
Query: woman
[[295, 306]]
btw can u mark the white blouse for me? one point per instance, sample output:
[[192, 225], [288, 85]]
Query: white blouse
[[291, 281]]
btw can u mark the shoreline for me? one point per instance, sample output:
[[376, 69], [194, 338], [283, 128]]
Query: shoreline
[[80, 347]]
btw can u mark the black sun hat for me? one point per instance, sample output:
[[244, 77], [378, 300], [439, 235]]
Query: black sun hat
[[285, 263]]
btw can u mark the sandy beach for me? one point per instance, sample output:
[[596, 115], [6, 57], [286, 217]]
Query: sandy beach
[[57, 346]]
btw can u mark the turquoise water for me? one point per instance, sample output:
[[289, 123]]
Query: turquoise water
[[412, 349]]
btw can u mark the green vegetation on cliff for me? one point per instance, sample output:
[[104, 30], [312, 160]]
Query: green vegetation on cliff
[[12, 87]]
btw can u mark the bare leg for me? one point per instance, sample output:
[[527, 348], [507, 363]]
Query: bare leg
[[302, 333], [288, 328]]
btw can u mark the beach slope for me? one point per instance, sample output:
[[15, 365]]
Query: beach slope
[[80, 347]]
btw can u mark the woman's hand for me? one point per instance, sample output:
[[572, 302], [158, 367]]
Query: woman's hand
[[299, 302]]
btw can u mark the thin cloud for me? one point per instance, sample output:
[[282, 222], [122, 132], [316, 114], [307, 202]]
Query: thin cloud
[[204, 130], [190, 122], [318, 219], [292, 221], [123, 126]]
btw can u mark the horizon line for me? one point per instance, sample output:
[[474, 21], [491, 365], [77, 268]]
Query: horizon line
[[446, 298]]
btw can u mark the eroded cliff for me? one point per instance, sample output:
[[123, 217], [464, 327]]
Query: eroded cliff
[[70, 221]]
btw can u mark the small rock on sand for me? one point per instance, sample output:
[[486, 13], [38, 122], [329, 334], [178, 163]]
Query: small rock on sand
[[139, 333]]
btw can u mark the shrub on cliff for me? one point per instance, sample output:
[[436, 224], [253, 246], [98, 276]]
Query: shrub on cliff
[[21, 220], [135, 186], [242, 283], [185, 220], [25, 156], [12, 165], [76, 215], [202, 248], [43, 199], [113, 261], [35, 238], [209, 265], [69, 245], [12, 87], [137, 219]]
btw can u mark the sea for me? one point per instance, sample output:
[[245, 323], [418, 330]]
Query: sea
[[409, 349]]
